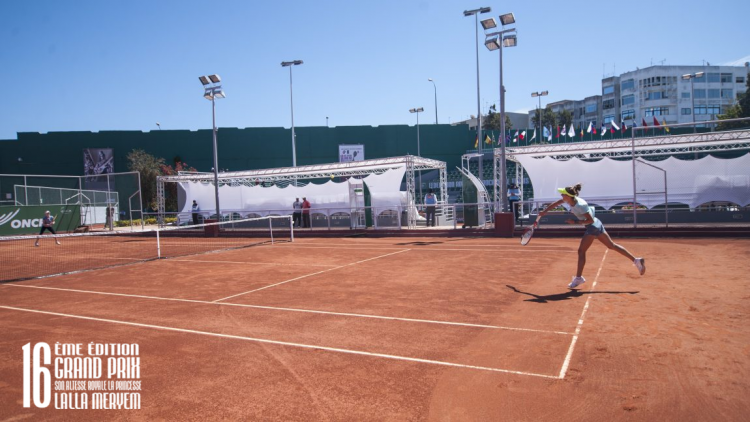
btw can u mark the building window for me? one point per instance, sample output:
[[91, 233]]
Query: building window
[[707, 110], [656, 95], [607, 104], [714, 77], [628, 115], [726, 78], [740, 79], [608, 90], [700, 80], [685, 111], [714, 93], [685, 95], [609, 119], [629, 84], [590, 108], [657, 111], [628, 99], [727, 93], [699, 93]]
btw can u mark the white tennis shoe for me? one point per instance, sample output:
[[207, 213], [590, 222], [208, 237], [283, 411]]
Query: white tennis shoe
[[577, 281], [640, 263]]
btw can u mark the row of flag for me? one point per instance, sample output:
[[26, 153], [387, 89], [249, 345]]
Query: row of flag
[[571, 132]]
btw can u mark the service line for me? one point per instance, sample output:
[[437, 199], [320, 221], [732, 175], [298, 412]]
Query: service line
[[312, 274]]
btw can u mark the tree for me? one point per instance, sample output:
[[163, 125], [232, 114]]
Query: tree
[[150, 168], [492, 122], [739, 110], [565, 117]]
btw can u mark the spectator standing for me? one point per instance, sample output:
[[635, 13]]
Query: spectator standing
[[305, 212], [297, 205], [196, 216], [514, 195], [430, 200]]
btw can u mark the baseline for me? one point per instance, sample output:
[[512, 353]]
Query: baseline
[[283, 343]]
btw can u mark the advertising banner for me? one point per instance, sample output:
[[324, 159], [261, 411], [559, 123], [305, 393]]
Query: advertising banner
[[349, 153], [19, 220]]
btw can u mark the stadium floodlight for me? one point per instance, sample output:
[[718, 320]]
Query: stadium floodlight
[[434, 86], [539, 110], [475, 13], [488, 23], [496, 41], [211, 93], [492, 44], [291, 64], [507, 19]]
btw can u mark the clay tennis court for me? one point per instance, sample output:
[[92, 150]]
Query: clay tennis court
[[477, 329]]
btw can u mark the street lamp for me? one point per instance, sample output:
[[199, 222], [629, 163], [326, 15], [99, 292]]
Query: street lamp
[[539, 112], [475, 13], [496, 41], [211, 91], [434, 86], [691, 76], [291, 97], [419, 153]]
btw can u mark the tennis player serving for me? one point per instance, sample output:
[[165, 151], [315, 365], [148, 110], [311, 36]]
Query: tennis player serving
[[594, 230], [47, 222]]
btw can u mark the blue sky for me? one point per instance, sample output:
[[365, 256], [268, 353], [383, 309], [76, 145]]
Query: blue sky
[[125, 65]]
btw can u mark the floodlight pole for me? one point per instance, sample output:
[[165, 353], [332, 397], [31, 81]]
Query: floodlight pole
[[216, 157], [418, 110], [434, 86], [290, 64], [476, 13]]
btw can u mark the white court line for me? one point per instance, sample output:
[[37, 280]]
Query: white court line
[[310, 275], [311, 311], [249, 262], [427, 249], [564, 369], [284, 343]]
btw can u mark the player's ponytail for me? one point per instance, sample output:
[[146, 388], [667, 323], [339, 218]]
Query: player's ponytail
[[577, 189]]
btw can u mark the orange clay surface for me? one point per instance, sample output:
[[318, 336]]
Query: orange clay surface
[[443, 329]]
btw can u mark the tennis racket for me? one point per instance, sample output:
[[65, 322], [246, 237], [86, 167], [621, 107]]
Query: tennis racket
[[526, 236]]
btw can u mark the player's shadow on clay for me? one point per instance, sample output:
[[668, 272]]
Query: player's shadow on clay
[[570, 294]]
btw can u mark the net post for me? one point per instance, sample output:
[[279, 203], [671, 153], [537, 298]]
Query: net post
[[291, 227], [158, 243], [270, 227]]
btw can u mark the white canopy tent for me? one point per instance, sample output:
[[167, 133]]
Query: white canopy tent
[[607, 181], [244, 192]]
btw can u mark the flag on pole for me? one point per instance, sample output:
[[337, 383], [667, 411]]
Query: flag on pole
[[604, 129], [571, 131], [476, 142], [546, 133], [656, 122], [564, 131], [581, 126], [487, 140], [664, 123], [523, 135], [549, 137], [614, 126], [643, 122], [591, 124], [533, 136], [594, 130], [624, 125]]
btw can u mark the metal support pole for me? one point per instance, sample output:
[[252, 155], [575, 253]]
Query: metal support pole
[[294, 138], [503, 175], [480, 140], [216, 159]]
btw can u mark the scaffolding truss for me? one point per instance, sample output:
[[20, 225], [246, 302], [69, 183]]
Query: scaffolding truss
[[286, 175]]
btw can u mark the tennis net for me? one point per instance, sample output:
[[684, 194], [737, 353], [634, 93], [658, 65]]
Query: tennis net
[[76, 252]]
